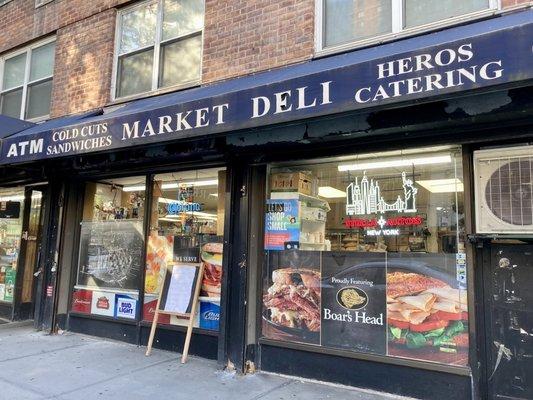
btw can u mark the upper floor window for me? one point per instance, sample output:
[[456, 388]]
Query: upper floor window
[[345, 22], [26, 85], [159, 44]]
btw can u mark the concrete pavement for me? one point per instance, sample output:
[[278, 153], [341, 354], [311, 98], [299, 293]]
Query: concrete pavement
[[71, 366]]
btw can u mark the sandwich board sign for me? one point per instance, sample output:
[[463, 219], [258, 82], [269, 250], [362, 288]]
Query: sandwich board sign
[[179, 297]]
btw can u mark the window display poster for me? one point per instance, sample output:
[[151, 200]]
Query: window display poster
[[408, 305], [354, 302], [103, 303], [427, 309], [82, 301], [292, 296], [9, 289], [282, 224], [125, 307], [111, 254]]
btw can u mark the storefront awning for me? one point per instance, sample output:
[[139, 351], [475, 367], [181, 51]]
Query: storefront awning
[[490, 54], [10, 126]]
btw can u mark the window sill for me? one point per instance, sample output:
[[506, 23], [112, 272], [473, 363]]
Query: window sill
[[390, 37], [153, 93]]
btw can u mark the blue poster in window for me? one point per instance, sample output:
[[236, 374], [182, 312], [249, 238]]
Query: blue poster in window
[[282, 224], [125, 307]]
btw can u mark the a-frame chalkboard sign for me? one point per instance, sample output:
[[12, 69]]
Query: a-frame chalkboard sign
[[179, 296]]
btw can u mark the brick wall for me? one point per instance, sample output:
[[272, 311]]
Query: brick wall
[[246, 36], [83, 64], [21, 22]]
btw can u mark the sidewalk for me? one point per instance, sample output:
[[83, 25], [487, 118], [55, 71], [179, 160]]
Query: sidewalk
[[70, 366]]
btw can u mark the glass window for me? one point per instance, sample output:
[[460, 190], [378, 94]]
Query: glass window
[[424, 12], [11, 207], [33, 85], [187, 227], [346, 21], [111, 247], [355, 20], [172, 47], [366, 254]]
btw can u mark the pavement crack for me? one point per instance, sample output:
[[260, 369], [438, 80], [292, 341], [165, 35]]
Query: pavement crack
[[281, 385], [43, 352], [132, 371]]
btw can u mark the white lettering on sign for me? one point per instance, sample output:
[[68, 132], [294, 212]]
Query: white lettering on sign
[[287, 100], [34, 146], [425, 62], [181, 121]]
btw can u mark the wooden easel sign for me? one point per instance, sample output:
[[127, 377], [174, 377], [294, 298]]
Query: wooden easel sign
[[179, 297]]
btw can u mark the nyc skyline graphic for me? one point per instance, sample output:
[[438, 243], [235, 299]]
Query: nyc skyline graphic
[[365, 198]]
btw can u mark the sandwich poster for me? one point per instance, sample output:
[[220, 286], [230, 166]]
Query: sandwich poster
[[292, 300], [282, 224], [408, 305], [427, 311]]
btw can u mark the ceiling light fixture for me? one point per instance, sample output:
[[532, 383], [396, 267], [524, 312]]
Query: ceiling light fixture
[[330, 192], [401, 162]]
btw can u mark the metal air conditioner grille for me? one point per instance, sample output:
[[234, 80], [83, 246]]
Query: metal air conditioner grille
[[504, 190]]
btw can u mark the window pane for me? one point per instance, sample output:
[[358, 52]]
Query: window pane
[[187, 227], [348, 20], [135, 73], [138, 28], [11, 103], [111, 248], [361, 240], [14, 71], [12, 211], [180, 61], [423, 12], [42, 62], [181, 17], [39, 96]]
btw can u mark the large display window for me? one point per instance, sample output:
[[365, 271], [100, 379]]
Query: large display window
[[366, 254], [11, 212], [187, 227], [111, 246]]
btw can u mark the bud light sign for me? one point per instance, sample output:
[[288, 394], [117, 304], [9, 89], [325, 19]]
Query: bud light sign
[[126, 307], [209, 315]]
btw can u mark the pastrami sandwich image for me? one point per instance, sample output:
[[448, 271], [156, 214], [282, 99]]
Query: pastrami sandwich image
[[211, 256], [293, 300], [425, 312]]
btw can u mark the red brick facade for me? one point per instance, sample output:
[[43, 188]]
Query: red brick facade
[[240, 37], [83, 64], [246, 36]]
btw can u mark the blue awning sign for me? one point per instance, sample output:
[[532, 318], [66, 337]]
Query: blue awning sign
[[491, 54]]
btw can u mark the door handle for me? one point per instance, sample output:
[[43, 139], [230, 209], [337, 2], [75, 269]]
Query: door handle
[[38, 272]]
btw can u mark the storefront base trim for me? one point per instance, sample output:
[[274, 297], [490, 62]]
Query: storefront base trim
[[172, 339], [398, 379], [6, 311], [451, 369]]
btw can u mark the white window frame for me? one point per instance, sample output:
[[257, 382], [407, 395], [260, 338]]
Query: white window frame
[[158, 43], [397, 23], [40, 3], [26, 83]]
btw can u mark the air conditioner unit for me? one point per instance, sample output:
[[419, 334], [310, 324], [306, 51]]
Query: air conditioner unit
[[504, 190]]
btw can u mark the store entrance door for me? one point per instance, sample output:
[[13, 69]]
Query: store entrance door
[[509, 317], [30, 258]]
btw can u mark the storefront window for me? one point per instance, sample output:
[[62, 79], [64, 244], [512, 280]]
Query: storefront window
[[11, 206], [366, 254], [111, 246], [187, 227]]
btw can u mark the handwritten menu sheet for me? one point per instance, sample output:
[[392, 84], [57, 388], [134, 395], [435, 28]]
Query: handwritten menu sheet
[[178, 291]]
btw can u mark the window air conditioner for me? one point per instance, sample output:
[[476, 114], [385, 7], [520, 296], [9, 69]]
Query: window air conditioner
[[504, 190]]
